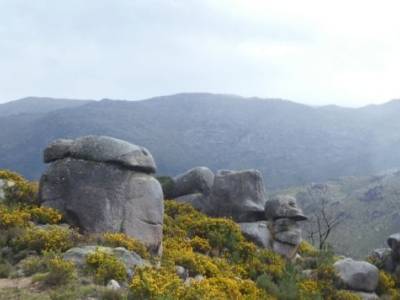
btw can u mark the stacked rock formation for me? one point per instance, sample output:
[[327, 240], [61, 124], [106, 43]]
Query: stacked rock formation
[[104, 184], [389, 258], [241, 196], [284, 215]]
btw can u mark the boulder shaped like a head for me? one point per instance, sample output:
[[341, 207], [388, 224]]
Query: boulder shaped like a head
[[283, 206]]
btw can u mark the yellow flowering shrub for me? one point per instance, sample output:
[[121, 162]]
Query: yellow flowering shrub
[[309, 289], [60, 271], [179, 252], [106, 267], [150, 283], [13, 217], [265, 261], [122, 240], [45, 215], [386, 283], [49, 238], [200, 245], [306, 249], [22, 191], [346, 295]]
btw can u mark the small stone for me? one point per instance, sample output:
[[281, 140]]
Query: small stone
[[113, 285], [182, 272]]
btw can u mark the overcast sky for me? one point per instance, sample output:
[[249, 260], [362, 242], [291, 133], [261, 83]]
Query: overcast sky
[[344, 52]]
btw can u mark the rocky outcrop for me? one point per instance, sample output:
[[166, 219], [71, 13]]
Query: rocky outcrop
[[284, 214], [388, 258], [198, 180], [357, 275], [104, 184], [240, 195]]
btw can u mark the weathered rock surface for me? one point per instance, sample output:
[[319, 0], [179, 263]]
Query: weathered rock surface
[[384, 257], [101, 191], [357, 275], [196, 180], [102, 149], [286, 250], [78, 255], [237, 194], [198, 201], [283, 206], [257, 232], [394, 243]]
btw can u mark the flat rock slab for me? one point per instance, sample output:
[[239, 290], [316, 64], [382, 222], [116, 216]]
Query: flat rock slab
[[102, 149]]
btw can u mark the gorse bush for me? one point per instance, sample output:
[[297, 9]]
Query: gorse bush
[[18, 189], [60, 271], [122, 240], [48, 238], [45, 215], [13, 217], [21, 216], [106, 266]]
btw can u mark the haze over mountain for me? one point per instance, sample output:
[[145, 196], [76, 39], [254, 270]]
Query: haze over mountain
[[290, 143]]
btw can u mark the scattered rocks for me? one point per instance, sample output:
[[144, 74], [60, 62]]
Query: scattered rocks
[[102, 184], [357, 275]]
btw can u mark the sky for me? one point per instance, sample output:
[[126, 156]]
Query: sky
[[343, 52]]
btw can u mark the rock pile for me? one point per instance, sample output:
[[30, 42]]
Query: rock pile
[[389, 258], [241, 196], [103, 184]]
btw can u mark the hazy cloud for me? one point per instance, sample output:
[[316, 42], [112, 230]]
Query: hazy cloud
[[317, 52]]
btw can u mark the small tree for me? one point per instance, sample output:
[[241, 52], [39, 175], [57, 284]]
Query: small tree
[[323, 218]]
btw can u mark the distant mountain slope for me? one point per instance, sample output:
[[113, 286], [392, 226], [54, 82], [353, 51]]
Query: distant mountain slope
[[290, 143], [370, 206], [32, 105]]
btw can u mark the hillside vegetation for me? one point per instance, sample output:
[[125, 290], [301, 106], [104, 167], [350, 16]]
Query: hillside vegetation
[[203, 258], [369, 207], [290, 143]]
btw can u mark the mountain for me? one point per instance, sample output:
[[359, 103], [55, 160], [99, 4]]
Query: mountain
[[37, 105], [291, 143], [369, 206]]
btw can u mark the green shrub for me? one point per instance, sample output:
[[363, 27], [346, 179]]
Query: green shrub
[[266, 283], [106, 267], [5, 269], [60, 272], [22, 191], [49, 238]]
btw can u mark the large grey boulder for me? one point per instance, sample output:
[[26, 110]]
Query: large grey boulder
[[99, 196], [102, 149], [357, 275], [286, 250], [237, 194], [283, 206], [257, 232], [196, 180]]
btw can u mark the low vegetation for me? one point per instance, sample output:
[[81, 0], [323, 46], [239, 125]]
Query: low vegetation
[[214, 260]]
